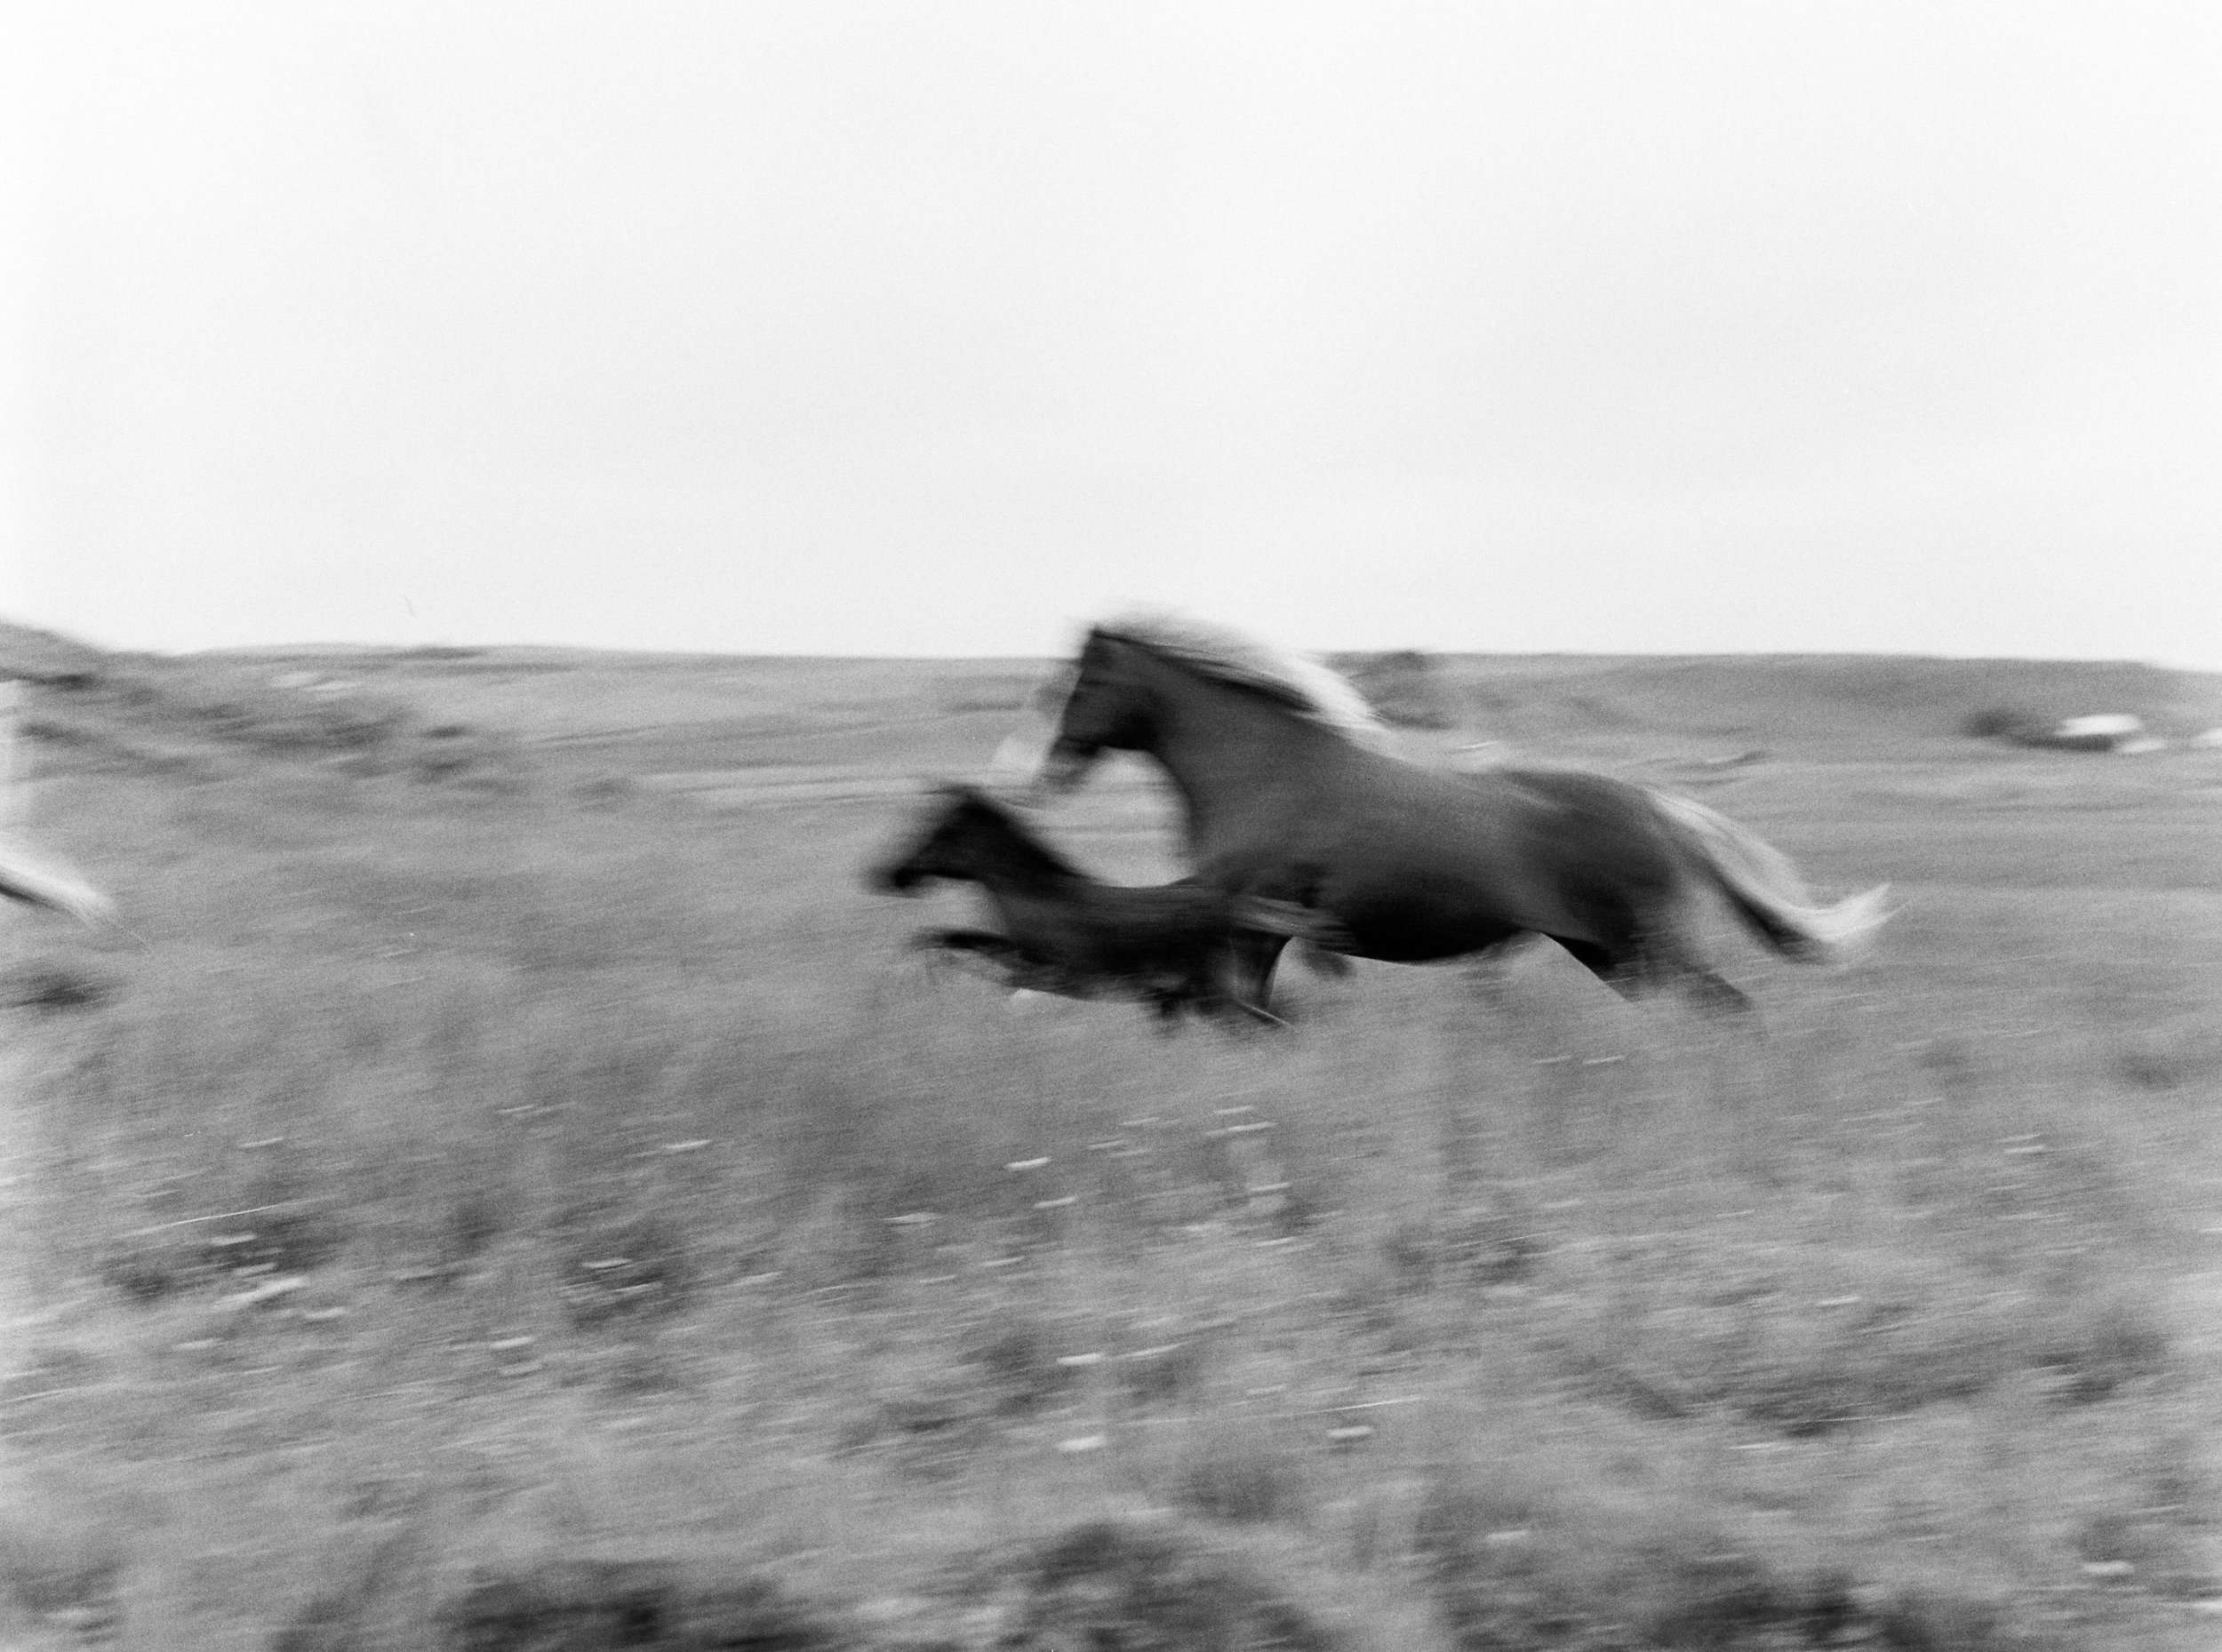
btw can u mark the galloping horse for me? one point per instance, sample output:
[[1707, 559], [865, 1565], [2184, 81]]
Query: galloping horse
[[1068, 933], [1293, 792]]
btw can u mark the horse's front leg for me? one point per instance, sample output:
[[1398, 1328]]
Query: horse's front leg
[[1252, 958], [983, 942], [1167, 1003], [1017, 969], [1490, 970]]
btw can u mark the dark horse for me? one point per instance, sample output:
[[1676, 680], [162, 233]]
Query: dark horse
[[1171, 945], [1294, 794]]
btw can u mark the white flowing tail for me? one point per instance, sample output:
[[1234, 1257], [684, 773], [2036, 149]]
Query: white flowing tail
[[24, 877], [1759, 880]]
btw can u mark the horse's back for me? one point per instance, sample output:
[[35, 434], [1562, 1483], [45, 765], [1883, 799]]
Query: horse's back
[[1418, 862], [1160, 920], [1584, 830], [1371, 806]]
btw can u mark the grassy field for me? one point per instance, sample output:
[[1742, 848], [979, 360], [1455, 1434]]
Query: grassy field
[[482, 1157]]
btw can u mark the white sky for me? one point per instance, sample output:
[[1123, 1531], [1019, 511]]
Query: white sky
[[934, 327]]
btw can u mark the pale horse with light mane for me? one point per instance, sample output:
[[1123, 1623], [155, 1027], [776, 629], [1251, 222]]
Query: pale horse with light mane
[[1294, 791]]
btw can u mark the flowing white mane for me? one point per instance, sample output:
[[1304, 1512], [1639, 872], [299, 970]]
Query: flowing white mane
[[1310, 689]]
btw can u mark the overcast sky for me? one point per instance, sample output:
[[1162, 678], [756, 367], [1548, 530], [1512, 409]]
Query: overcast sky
[[935, 327]]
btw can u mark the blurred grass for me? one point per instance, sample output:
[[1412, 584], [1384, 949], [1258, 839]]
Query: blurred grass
[[477, 1176]]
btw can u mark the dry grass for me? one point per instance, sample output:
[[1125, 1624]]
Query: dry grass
[[458, 1185]]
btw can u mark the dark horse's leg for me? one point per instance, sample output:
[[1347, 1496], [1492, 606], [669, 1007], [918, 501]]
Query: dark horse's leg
[[986, 942], [1253, 955], [1022, 970], [1168, 1001]]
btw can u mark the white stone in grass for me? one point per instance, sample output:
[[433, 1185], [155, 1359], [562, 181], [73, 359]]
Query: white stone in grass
[[86, 1626], [268, 1290], [893, 1608]]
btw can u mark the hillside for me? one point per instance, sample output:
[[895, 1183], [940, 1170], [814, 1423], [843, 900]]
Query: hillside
[[541, 1203], [1871, 699], [39, 656], [490, 712]]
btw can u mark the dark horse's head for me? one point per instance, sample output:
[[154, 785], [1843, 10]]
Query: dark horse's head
[[949, 846], [1105, 705]]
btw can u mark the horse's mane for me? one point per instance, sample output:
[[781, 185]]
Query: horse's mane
[[1304, 685]]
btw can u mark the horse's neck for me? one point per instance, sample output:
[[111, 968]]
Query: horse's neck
[[1011, 859], [1223, 749]]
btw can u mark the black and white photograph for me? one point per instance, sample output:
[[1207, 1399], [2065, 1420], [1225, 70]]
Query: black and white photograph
[[1041, 826]]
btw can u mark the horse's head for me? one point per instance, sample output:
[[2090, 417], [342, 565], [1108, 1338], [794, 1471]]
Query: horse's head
[[945, 848], [1107, 705]]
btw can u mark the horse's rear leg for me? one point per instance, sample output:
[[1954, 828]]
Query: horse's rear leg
[[1715, 995], [1637, 971], [1613, 968], [1668, 957], [1490, 970]]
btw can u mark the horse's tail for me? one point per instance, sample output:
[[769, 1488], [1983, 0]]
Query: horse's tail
[[1286, 917], [1762, 885], [36, 882]]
